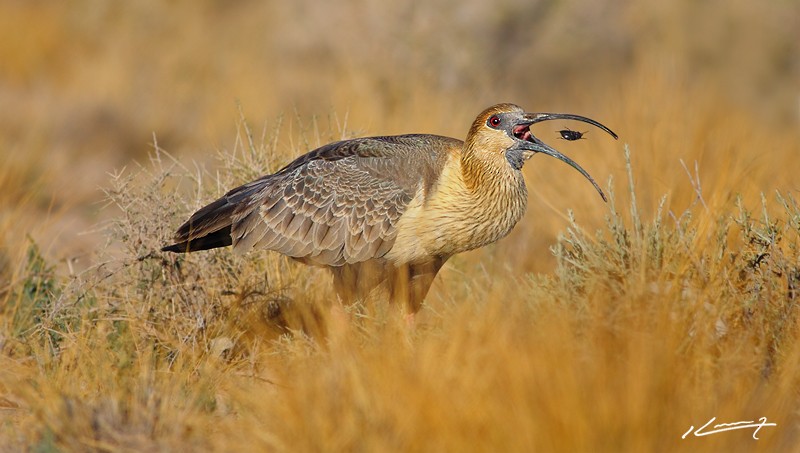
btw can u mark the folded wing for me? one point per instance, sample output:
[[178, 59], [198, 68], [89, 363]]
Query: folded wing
[[337, 205]]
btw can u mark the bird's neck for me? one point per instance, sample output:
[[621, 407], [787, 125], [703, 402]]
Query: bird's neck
[[482, 170], [490, 180]]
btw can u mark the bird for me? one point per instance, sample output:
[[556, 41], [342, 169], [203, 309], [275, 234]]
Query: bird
[[385, 211], [569, 134]]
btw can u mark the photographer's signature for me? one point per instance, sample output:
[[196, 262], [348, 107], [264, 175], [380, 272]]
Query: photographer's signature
[[762, 422]]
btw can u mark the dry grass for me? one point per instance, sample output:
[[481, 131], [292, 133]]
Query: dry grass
[[592, 327], [645, 327]]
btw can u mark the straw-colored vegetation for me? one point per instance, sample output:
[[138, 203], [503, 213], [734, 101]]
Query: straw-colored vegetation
[[592, 327]]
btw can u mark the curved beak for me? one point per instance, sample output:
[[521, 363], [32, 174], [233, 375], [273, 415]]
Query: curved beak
[[533, 118], [534, 145], [529, 144]]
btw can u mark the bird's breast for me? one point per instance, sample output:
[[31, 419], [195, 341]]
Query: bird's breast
[[454, 219]]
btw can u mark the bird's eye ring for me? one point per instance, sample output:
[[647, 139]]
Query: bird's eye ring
[[494, 121]]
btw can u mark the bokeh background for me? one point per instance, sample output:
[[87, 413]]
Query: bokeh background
[[682, 307], [86, 85]]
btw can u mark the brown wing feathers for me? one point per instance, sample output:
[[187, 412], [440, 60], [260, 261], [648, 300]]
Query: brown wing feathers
[[335, 205], [324, 212]]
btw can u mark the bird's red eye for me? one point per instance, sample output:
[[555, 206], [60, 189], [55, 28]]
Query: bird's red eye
[[494, 121]]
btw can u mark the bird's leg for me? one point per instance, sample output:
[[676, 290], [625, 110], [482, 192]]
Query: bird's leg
[[355, 281], [344, 283], [407, 285], [410, 283], [350, 286]]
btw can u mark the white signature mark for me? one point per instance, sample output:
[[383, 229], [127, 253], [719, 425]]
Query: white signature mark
[[762, 422]]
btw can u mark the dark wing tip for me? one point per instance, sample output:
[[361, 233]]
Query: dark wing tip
[[177, 248], [219, 238]]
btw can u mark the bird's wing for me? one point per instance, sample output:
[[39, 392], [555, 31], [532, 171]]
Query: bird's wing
[[340, 203]]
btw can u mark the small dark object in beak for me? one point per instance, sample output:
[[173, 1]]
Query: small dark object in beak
[[569, 134]]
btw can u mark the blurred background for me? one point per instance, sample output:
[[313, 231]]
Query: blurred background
[[86, 85]]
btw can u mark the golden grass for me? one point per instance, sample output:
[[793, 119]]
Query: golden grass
[[592, 327], [650, 325]]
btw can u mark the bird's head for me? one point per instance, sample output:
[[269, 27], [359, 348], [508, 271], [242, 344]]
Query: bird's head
[[505, 129]]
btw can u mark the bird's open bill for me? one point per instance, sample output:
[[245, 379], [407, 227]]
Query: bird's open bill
[[532, 143]]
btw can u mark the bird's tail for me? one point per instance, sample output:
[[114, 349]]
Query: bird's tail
[[221, 238], [211, 226], [208, 228]]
